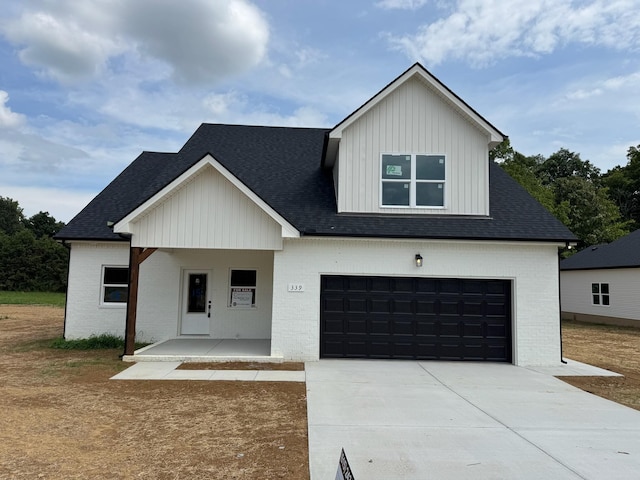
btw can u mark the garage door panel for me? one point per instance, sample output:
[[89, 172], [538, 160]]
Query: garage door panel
[[356, 325], [425, 306], [426, 285], [448, 307], [428, 328], [401, 306], [380, 284], [403, 285], [356, 305], [380, 326], [415, 318], [356, 284], [333, 304], [380, 305], [403, 327]]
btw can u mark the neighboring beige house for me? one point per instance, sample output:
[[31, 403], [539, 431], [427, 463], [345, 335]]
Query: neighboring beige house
[[601, 284], [391, 235]]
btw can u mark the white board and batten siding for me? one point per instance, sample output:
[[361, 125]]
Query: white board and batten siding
[[414, 119], [624, 293], [208, 211]]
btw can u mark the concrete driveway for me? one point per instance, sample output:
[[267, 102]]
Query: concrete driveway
[[446, 420]]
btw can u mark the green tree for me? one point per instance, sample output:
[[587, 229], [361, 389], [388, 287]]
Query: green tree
[[624, 186], [588, 211], [43, 225], [572, 190], [566, 164], [28, 263], [11, 216], [523, 170]]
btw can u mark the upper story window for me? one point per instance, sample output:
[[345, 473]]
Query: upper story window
[[600, 294], [413, 180]]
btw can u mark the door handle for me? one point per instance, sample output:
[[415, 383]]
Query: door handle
[[209, 310]]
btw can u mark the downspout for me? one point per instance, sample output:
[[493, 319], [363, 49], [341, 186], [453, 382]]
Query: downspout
[[560, 303]]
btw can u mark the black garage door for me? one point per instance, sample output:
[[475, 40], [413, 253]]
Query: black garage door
[[415, 318]]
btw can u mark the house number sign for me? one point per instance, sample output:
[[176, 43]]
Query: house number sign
[[295, 287]]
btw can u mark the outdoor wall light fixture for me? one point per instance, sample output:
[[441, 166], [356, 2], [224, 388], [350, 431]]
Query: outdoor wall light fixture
[[418, 260]]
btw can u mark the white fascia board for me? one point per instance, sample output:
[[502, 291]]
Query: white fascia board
[[124, 225], [494, 136]]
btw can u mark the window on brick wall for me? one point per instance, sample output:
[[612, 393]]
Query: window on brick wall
[[115, 284], [600, 294]]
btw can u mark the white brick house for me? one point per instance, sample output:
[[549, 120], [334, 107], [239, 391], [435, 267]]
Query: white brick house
[[391, 235]]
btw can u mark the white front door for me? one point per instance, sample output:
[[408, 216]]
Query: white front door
[[196, 302]]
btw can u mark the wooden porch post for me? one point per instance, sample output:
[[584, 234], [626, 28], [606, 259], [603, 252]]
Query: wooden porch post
[[137, 255]]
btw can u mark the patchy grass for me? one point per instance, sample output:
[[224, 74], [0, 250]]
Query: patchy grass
[[94, 342], [32, 298]]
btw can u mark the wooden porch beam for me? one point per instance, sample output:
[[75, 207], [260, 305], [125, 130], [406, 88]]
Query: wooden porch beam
[[137, 255]]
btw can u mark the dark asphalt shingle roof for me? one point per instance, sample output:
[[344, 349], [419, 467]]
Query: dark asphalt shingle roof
[[622, 253], [282, 166]]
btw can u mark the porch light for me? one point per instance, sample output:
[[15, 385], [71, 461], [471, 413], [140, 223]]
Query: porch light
[[418, 260]]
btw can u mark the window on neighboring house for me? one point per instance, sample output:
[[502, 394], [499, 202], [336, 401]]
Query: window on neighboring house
[[600, 294], [412, 180], [115, 284], [242, 288]]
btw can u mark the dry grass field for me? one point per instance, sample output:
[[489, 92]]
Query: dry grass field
[[62, 418], [609, 347]]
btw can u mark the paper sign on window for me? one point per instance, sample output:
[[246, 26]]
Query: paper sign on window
[[395, 170], [241, 297]]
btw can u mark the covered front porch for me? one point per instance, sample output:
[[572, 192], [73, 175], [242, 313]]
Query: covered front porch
[[205, 350]]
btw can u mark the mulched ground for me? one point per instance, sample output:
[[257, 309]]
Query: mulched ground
[[290, 366]]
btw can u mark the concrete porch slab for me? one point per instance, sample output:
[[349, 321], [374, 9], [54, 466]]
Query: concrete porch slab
[[197, 349]]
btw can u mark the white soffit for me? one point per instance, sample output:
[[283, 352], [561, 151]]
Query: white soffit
[[124, 225]]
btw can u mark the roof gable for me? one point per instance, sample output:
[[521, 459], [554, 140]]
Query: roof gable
[[126, 224], [417, 71]]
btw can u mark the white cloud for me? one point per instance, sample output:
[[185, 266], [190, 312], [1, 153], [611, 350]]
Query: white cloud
[[621, 90], [401, 4], [9, 119], [483, 31], [201, 41], [66, 50], [61, 204]]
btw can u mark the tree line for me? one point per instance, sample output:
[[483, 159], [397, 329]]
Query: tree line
[[30, 259], [597, 207]]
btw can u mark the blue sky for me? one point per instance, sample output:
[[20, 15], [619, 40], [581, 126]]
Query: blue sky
[[86, 86]]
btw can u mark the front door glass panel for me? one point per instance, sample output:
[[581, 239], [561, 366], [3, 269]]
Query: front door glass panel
[[197, 293]]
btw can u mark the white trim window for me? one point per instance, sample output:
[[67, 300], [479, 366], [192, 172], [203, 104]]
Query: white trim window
[[412, 180], [242, 288], [600, 294], [115, 285]]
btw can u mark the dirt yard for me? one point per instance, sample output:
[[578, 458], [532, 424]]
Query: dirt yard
[[613, 348], [62, 418]]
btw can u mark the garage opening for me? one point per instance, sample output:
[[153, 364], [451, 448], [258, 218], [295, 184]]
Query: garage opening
[[415, 318]]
